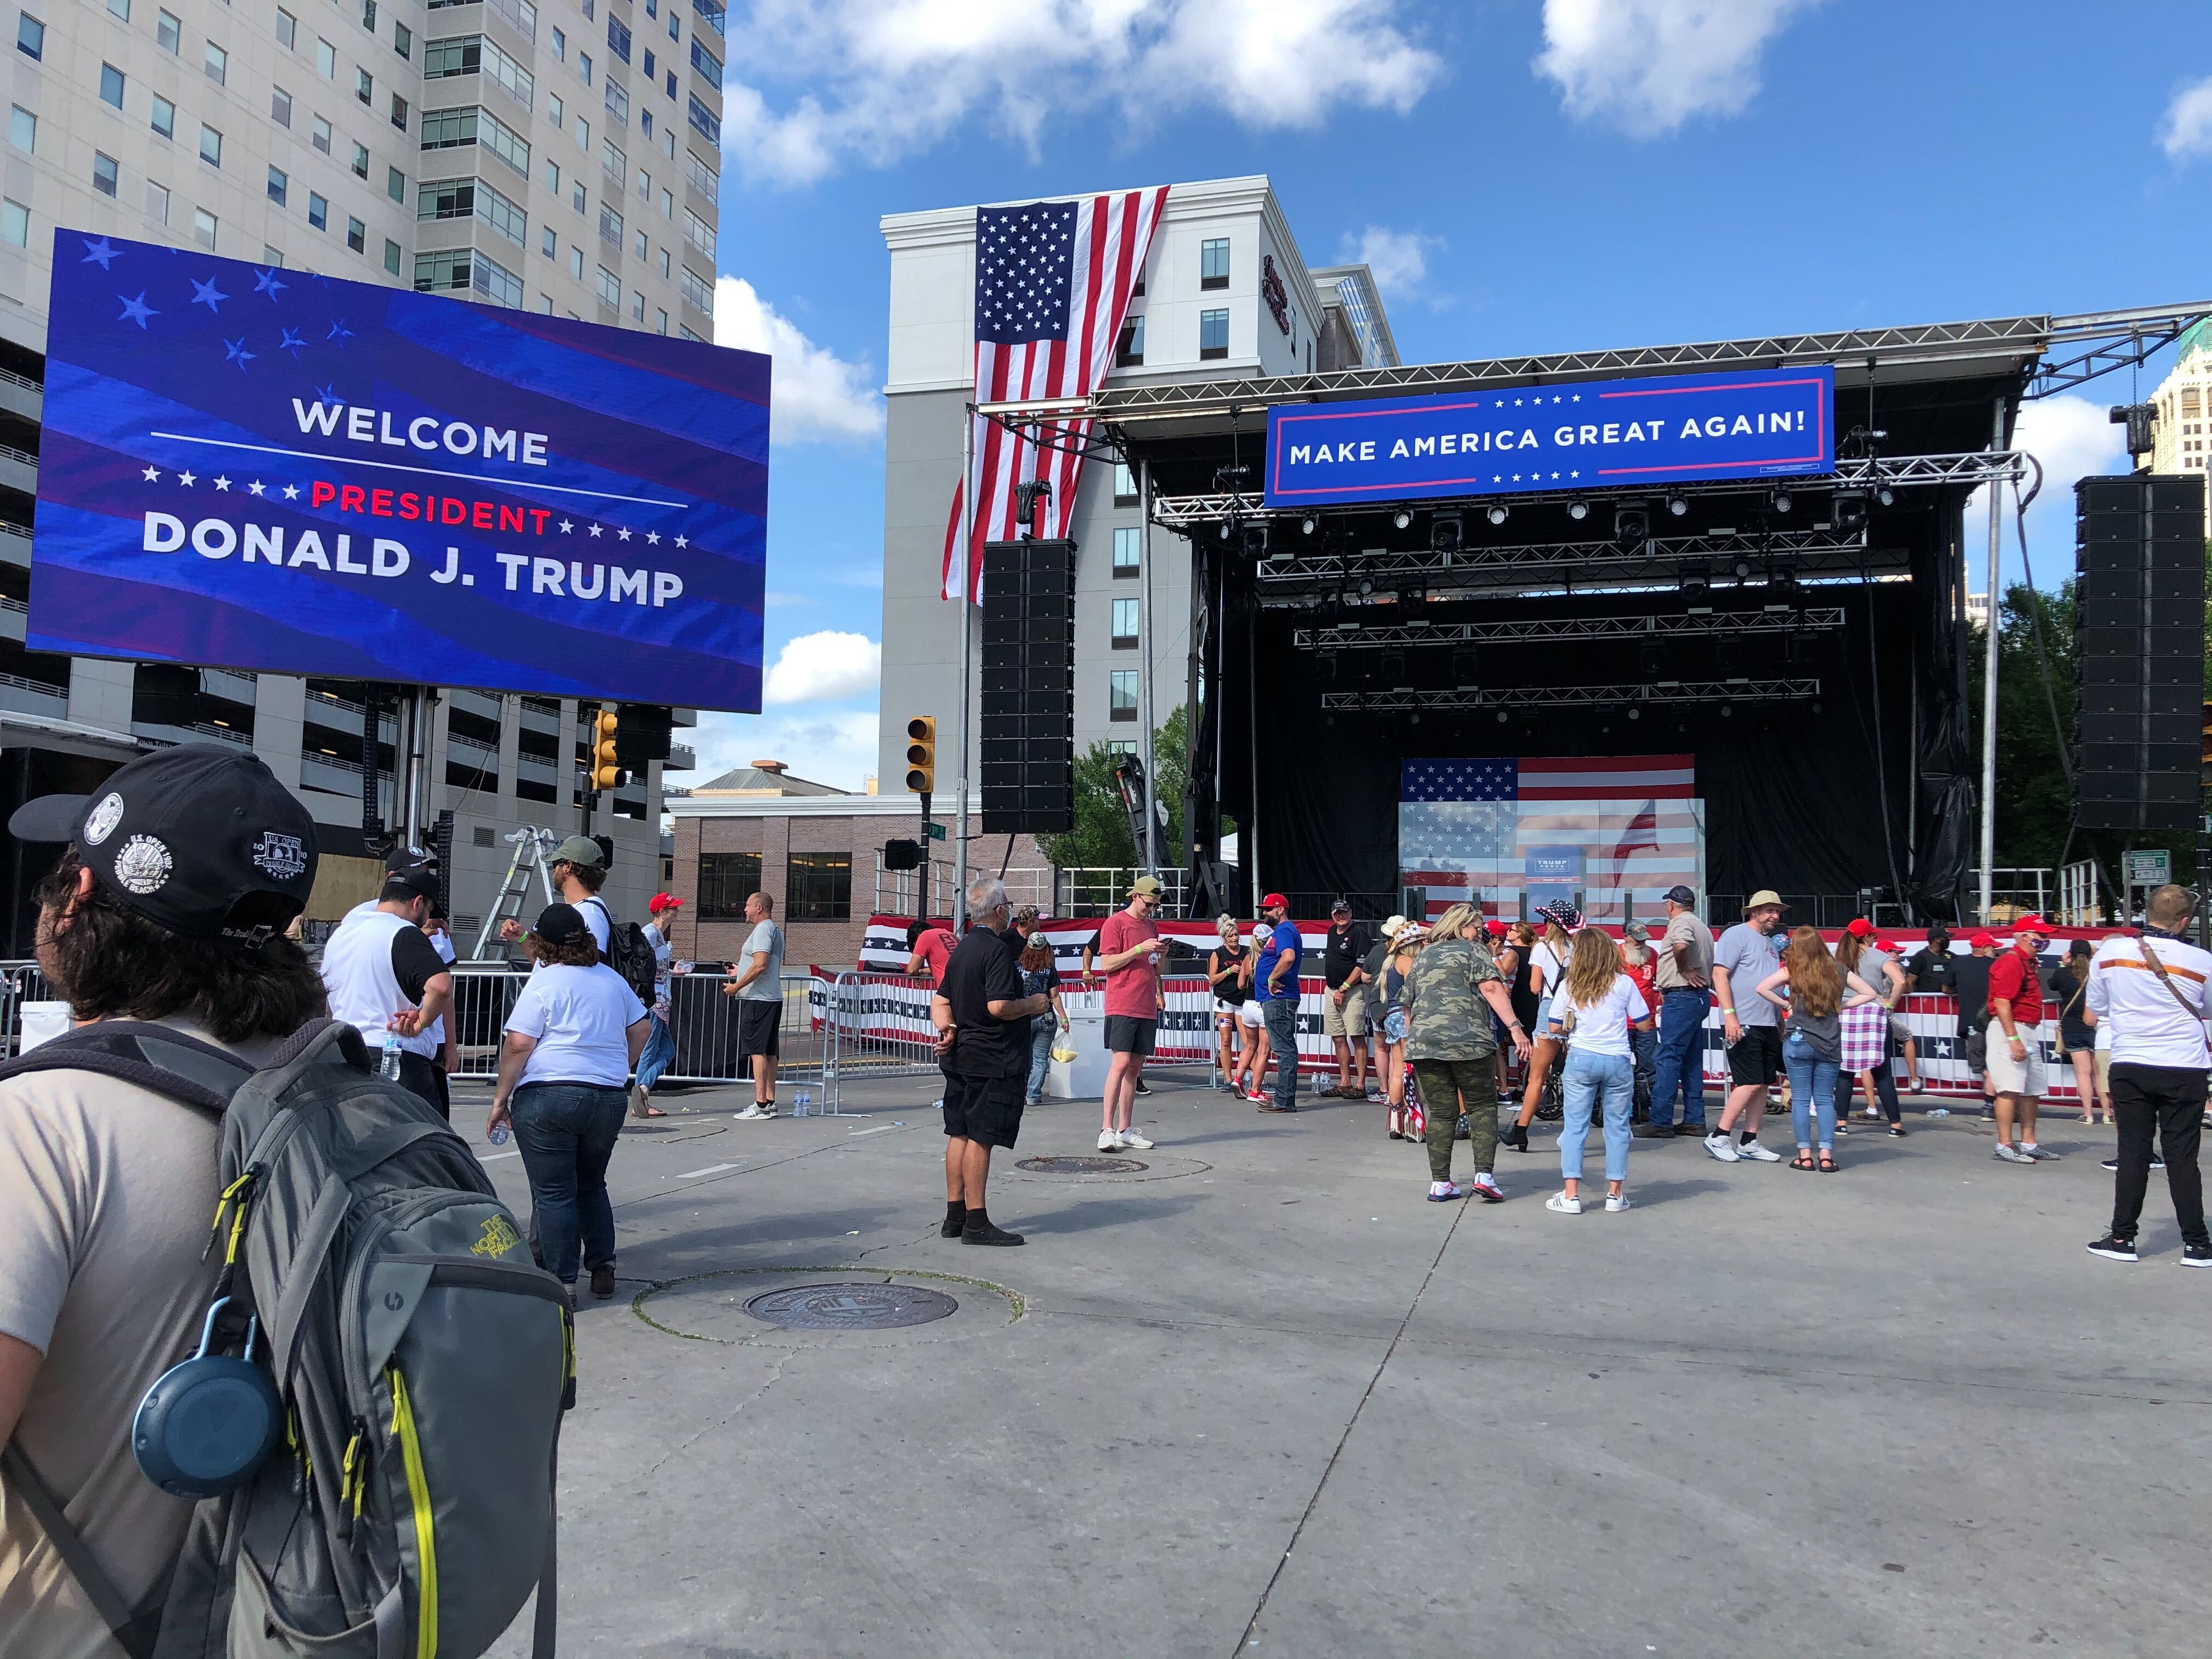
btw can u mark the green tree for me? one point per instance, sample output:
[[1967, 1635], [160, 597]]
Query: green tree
[[1101, 836]]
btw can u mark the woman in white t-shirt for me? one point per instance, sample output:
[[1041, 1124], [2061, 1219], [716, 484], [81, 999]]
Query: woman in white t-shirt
[[575, 1031], [1592, 1009], [1547, 966]]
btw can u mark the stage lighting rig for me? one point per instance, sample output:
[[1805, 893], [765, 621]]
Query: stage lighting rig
[[1782, 576], [1255, 540], [1847, 514], [1402, 519], [1578, 511], [1444, 534], [1779, 500], [1466, 668], [1631, 524], [1695, 584], [1308, 525], [1495, 513], [1678, 505], [1741, 570], [1027, 495]]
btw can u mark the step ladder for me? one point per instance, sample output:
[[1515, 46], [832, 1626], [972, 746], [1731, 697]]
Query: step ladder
[[534, 850]]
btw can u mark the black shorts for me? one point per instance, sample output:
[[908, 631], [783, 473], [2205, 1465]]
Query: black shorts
[[985, 1109], [1757, 1056], [757, 1025], [1127, 1035]]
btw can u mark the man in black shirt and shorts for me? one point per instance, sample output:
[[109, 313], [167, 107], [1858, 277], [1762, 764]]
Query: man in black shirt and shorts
[[982, 1022]]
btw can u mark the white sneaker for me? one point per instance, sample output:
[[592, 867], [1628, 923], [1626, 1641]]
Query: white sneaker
[[1133, 1142], [1563, 1205], [2011, 1154], [1722, 1146], [1109, 1141], [1752, 1152], [1615, 1203], [1486, 1187], [755, 1113]]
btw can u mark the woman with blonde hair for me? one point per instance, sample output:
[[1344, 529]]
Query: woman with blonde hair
[[1547, 966], [1224, 974], [1392, 958], [1818, 989], [1253, 1061], [1449, 1041], [1596, 1005]]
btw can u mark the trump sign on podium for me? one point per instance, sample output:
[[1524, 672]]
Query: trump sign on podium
[[266, 469], [1662, 429]]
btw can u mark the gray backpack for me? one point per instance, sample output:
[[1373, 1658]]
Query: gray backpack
[[423, 1361]]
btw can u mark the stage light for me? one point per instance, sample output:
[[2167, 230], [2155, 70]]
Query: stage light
[[1413, 719], [1444, 532], [1308, 525], [1631, 523], [1578, 511], [1501, 717], [1742, 568], [1727, 710], [1466, 667], [1847, 514], [1497, 515], [1366, 586], [1696, 583], [1886, 496], [1781, 575], [1226, 527], [1392, 668], [1678, 505], [1636, 714], [1401, 519], [1255, 540], [1780, 500]]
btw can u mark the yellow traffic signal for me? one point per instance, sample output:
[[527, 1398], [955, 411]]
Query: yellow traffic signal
[[606, 772], [922, 754]]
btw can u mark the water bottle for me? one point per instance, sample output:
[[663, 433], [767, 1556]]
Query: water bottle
[[390, 1064], [1939, 1111], [501, 1136], [804, 1106]]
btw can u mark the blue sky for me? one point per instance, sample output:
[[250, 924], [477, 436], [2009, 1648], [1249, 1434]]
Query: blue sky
[[1525, 174]]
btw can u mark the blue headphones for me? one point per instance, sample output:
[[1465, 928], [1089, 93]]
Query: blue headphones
[[208, 1422]]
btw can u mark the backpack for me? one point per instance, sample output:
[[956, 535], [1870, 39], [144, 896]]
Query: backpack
[[630, 954], [423, 1363]]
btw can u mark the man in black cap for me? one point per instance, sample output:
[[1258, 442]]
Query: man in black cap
[[169, 905], [386, 980], [1681, 972]]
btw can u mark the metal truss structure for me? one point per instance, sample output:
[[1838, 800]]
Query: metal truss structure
[[2105, 341], [1698, 624], [1724, 550], [1666, 692]]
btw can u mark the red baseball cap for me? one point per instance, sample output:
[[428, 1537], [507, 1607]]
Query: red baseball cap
[[1886, 946], [660, 902], [2031, 925], [1274, 902], [1860, 927], [1495, 929], [1981, 941]]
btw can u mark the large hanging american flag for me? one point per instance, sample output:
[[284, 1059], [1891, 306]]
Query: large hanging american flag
[[1618, 830], [1053, 281]]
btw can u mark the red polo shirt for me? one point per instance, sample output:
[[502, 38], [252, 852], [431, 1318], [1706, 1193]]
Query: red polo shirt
[[2012, 977]]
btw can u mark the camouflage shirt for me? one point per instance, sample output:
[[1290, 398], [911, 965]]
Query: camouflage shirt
[[1446, 1017]]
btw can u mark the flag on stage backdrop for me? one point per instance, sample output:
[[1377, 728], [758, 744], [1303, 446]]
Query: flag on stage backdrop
[[1053, 281], [1623, 829]]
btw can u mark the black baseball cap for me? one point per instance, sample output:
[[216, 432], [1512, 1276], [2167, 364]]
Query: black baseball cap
[[413, 881], [200, 839], [557, 924]]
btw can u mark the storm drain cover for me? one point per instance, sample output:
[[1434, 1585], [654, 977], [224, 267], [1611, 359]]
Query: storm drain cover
[[850, 1307], [1081, 1165]]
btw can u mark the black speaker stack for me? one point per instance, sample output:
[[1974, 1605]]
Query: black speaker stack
[[1028, 719], [2139, 644]]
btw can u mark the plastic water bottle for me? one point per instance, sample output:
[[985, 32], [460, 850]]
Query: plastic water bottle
[[1939, 1111], [390, 1064], [501, 1136], [804, 1106]]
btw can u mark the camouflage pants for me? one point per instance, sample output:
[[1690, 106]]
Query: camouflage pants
[[1449, 1087]]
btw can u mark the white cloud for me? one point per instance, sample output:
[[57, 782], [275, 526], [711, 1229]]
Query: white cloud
[[869, 80], [816, 394], [836, 748], [2186, 131], [2074, 438], [825, 667], [1648, 65], [1399, 258]]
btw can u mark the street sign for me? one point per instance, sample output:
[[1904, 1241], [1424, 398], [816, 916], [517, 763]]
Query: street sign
[[937, 833], [2152, 868]]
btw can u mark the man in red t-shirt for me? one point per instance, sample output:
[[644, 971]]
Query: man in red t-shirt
[[1128, 957], [2016, 1040], [932, 948]]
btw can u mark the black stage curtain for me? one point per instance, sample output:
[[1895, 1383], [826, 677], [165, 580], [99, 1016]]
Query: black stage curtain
[[1809, 798]]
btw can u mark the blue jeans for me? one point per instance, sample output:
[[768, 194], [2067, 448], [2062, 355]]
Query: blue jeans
[[566, 1133], [1681, 1066], [1282, 1017], [1040, 1042], [1592, 1084], [659, 1055], [1811, 1091]]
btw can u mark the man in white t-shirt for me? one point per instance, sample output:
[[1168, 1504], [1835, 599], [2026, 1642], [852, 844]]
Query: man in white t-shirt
[[578, 869], [2150, 990], [758, 986]]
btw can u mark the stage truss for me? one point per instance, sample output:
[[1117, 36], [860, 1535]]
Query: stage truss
[[1777, 556], [1697, 624], [1405, 700]]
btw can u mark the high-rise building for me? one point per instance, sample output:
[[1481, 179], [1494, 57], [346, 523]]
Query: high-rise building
[[2182, 435], [561, 155]]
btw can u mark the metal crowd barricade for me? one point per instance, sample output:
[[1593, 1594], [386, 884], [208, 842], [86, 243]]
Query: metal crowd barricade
[[21, 983], [875, 1025]]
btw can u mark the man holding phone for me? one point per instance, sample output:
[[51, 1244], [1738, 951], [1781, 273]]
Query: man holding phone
[[1128, 957]]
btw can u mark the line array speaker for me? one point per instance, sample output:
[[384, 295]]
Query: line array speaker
[[2139, 651], [1027, 722]]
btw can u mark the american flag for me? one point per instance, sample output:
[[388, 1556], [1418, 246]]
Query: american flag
[[1053, 281], [1467, 828]]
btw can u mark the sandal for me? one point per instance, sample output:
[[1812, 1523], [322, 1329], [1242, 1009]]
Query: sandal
[[1802, 1161], [1828, 1164]]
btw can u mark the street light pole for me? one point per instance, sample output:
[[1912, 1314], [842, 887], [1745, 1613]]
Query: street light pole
[[1990, 682], [967, 605]]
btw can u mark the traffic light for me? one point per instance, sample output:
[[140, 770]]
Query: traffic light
[[922, 754], [606, 768], [902, 854]]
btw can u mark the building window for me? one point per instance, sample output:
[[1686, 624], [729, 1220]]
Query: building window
[[364, 86], [395, 184], [280, 107], [1213, 263], [119, 10], [1125, 485], [1129, 349], [403, 40], [496, 283], [279, 183], [698, 294], [610, 226], [560, 46], [1128, 549], [637, 305], [23, 130], [30, 36], [1212, 334], [361, 162], [1125, 624], [369, 15], [818, 887], [326, 60], [104, 173], [610, 288], [548, 244], [584, 66], [204, 228], [576, 263], [391, 256], [704, 121], [398, 111], [553, 177], [699, 232], [320, 135], [613, 162], [273, 257], [217, 65], [617, 102], [357, 236], [164, 117], [1120, 746], [1121, 694], [157, 203], [644, 252], [661, 325], [438, 272], [650, 72], [110, 85], [319, 211], [211, 145], [706, 63], [288, 29], [726, 881], [618, 39]]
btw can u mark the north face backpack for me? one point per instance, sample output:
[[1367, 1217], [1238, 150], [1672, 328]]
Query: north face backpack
[[423, 1360], [630, 954]]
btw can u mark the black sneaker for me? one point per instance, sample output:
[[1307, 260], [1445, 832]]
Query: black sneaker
[[1143, 1088], [953, 1225], [2114, 1248], [987, 1233], [1691, 1131], [2197, 1255], [1653, 1132], [2113, 1164]]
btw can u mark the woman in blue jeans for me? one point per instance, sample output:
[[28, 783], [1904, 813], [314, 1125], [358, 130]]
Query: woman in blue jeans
[[1812, 991], [1041, 978], [575, 1031], [1593, 1011]]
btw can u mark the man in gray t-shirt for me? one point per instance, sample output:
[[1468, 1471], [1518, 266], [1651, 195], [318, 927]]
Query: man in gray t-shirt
[[757, 984], [1751, 1025]]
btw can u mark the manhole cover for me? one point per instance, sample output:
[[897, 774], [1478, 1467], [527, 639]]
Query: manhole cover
[[850, 1307], [1082, 1166]]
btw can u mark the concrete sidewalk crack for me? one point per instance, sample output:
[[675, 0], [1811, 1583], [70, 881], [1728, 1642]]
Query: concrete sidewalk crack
[[754, 1398], [1252, 1626]]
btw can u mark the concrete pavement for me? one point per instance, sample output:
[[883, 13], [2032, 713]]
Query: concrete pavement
[[1262, 1397]]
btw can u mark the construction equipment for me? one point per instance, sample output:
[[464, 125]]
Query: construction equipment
[[534, 850]]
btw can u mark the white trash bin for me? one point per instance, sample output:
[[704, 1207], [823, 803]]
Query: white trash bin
[[1083, 1078]]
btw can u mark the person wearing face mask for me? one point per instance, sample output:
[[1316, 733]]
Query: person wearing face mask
[[2016, 1077]]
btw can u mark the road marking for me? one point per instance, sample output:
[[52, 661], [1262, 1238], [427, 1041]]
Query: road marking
[[712, 1169], [856, 1133], [493, 1158]]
